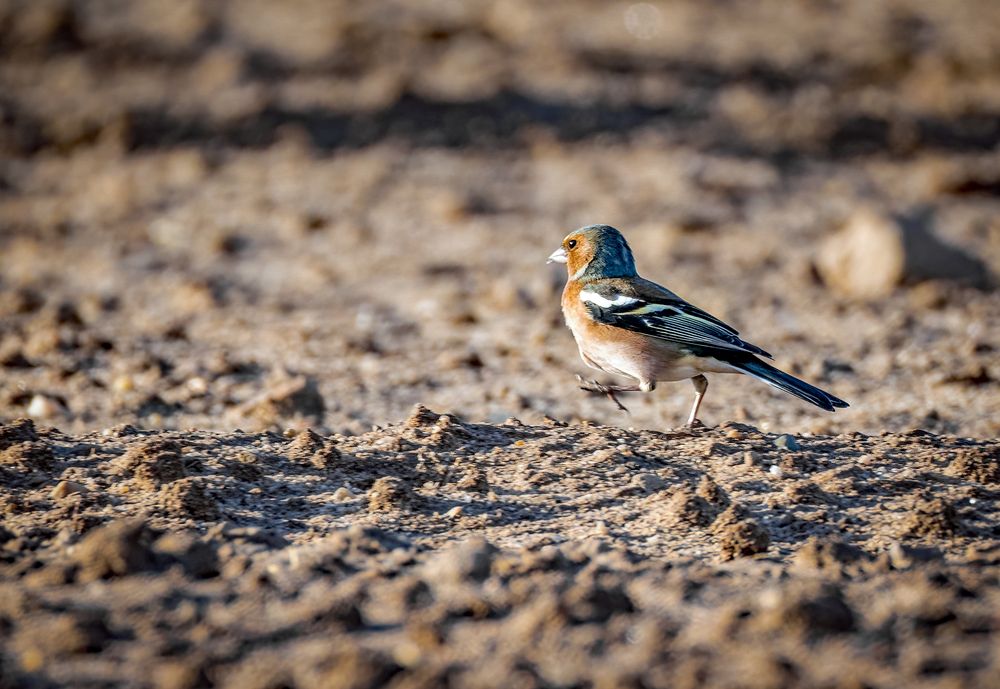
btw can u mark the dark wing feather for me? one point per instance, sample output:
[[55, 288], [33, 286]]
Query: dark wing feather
[[658, 313]]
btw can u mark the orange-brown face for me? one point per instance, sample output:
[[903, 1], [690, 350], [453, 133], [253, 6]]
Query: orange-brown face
[[595, 252], [576, 251]]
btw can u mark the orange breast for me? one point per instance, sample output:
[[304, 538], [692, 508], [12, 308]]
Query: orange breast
[[620, 351]]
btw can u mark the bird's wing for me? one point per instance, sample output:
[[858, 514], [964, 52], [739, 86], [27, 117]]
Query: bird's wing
[[645, 307]]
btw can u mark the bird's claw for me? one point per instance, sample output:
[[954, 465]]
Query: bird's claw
[[601, 389]]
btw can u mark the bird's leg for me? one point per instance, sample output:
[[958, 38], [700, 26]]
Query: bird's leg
[[700, 383], [609, 390]]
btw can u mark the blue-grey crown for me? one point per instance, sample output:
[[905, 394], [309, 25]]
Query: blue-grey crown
[[613, 258]]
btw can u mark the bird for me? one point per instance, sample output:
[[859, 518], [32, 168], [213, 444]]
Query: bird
[[628, 326]]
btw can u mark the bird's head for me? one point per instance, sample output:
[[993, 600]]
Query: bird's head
[[594, 252]]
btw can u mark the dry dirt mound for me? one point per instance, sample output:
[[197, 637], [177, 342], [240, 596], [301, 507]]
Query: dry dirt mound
[[437, 552]]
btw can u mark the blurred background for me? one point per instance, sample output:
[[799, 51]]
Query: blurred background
[[259, 214]]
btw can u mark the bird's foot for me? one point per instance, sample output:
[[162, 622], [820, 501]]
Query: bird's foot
[[602, 389], [694, 423]]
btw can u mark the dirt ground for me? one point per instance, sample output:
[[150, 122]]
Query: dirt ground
[[241, 241]]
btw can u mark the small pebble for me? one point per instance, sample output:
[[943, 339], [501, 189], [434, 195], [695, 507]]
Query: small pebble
[[342, 494], [42, 407], [407, 654], [32, 659], [787, 442], [776, 471], [454, 512], [123, 383], [66, 488]]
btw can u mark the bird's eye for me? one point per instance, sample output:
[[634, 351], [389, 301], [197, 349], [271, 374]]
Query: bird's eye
[[571, 244]]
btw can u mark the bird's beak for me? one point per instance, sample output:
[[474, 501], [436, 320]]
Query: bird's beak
[[558, 256]]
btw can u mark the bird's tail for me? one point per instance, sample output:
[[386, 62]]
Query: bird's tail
[[790, 384]]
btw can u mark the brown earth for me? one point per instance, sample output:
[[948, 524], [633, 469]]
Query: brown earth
[[438, 552], [300, 219]]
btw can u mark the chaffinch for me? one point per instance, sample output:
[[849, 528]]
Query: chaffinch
[[629, 326]]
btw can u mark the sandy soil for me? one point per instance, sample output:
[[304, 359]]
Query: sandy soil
[[281, 225]]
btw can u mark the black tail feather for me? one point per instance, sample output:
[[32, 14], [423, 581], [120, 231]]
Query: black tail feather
[[790, 384]]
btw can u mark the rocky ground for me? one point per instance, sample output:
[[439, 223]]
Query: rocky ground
[[286, 224], [438, 552]]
